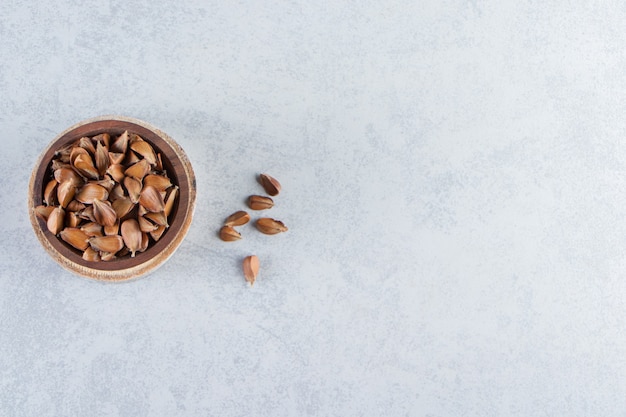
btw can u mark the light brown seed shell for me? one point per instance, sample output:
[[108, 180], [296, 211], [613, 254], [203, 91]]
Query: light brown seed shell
[[270, 226], [238, 218], [270, 184], [75, 237], [229, 234], [251, 268]]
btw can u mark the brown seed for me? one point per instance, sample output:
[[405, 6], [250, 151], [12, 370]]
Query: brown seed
[[104, 213], [106, 182], [67, 174], [87, 214], [145, 240], [65, 193], [116, 171], [107, 256], [151, 199], [116, 193], [159, 182], [251, 268], [156, 234], [50, 192], [116, 158], [121, 143], [157, 218], [91, 192], [270, 184], [131, 158], [75, 205], [63, 154], [138, 170], [91, 255], [72, 219], [111, 230], [146, 225], [144, 149], [170, 199], [257, 202], [110, 244], [92, 229], [131, 234], [238, 218], [86, 144], [133, 187], [270, 226], [159, 163], [228, 234], [75, 237], [122, 206], [76, 152], [55, 220], [84, 165], [105, 138], [102, 158], [43, 212]]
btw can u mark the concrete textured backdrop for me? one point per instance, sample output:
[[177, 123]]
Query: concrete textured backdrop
[[454, 182]]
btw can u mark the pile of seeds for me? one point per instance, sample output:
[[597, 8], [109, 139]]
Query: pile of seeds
[[265, 225], [108, 197]]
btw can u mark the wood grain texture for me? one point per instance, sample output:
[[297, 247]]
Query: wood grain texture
[[175, 163]]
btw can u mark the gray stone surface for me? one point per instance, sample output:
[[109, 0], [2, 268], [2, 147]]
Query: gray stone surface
[[453, 178]]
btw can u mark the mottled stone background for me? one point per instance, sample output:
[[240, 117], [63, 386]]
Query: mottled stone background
[[453, 177]]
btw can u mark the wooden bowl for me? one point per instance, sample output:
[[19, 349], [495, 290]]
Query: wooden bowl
[[179, 169]]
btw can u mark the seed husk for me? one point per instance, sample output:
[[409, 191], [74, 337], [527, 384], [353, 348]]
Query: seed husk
[[257, 202], [270, 226], [87, 214], [75, 237], [55, 220], [107, 183], [229, 234], [238, 218], [110, 244], [270, 184], [251, 268], [103, 213], [131, 234], [151, 200], [91, 192]]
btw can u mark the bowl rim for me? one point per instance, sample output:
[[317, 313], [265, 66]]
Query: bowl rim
[[149, 260]]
